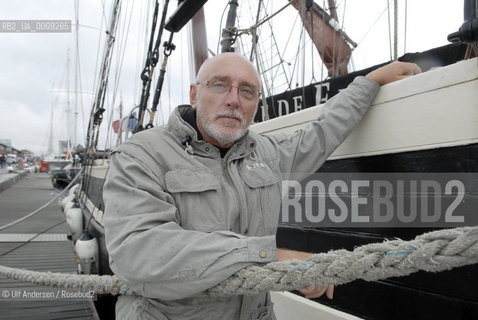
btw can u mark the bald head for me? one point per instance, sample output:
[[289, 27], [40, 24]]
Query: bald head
[[227, 60]]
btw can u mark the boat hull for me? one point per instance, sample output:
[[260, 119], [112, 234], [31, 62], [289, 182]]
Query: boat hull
[[423, 126]]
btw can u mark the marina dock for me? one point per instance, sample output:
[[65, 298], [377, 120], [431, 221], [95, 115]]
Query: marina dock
[[39, 243]]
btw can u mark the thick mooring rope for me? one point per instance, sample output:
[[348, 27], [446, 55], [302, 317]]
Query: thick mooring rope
[[434, 251]]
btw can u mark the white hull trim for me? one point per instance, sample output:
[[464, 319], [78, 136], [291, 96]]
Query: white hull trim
[[434, 109], [291, 306]]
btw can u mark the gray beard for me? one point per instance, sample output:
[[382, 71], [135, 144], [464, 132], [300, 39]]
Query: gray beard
[[222, 136]]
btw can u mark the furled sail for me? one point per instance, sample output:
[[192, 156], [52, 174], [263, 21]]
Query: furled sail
[[332, 44]]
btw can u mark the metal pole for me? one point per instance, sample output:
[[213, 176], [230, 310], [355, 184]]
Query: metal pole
[[227, 39]]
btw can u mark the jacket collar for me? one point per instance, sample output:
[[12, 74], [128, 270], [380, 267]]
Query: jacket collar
[[185, 132]]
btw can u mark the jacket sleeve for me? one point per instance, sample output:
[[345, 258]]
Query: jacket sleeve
[[151, 252], [304, 151]]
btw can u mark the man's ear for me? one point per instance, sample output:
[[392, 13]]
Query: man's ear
[[193, 95]]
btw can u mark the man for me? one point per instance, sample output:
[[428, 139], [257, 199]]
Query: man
[[191, 203]]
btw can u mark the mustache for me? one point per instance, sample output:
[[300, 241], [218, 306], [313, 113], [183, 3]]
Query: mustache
[[229, 113]]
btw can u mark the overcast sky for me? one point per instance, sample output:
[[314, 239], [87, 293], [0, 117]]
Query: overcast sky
[[33, 65]]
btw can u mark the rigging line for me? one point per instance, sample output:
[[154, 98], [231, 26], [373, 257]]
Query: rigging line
[[120, 53], [395, 30], [259, 61], [168, 49], [103, 13], [323, 45], [273, 15], [220, 27], [77, 9], [373, 25], [312, 80], [273, 39], [341, 43], [303, 58], [169, 95], [142, 31], [254, 38], [334, 60], [11, 224], [295, 61], [100, 38], [151, 63], [95, 122], [147, 73], [406, 21], [287, 44], [31, 239], [389, 30], [264, 101], [181, 41], [261, 79], [81, 103]]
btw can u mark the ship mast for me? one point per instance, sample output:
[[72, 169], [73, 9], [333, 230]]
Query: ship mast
[[199, 40], [97, 111]]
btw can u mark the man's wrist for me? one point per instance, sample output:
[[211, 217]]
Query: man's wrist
[[285, 254]]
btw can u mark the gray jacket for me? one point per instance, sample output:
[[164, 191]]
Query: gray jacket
[[178, 223]]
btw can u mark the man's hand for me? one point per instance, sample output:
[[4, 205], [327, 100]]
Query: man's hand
[[394, 71], [309, 292]]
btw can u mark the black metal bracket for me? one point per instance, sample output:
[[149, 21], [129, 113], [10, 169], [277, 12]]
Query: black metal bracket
[[468, 32]]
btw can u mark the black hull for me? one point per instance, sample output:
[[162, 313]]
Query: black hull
[[104, 304], [95, 228], [446, 295]]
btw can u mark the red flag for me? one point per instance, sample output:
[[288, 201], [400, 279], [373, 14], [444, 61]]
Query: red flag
[[116, 125]]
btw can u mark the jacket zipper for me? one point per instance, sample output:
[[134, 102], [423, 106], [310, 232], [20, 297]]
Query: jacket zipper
[[237, 198]]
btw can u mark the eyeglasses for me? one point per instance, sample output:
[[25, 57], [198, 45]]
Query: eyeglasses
[[221, 87]]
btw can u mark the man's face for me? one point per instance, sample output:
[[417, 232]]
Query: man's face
[[225, 107]]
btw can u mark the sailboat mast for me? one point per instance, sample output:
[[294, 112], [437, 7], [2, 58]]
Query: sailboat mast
[[50, 136], [470, 9], [75, 127], [227, 39], [199, 40], [68, 104], [97, 111]]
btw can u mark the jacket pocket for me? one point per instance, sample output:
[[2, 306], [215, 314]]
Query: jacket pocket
[[186, 180], [263, 197], [196, 194]]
